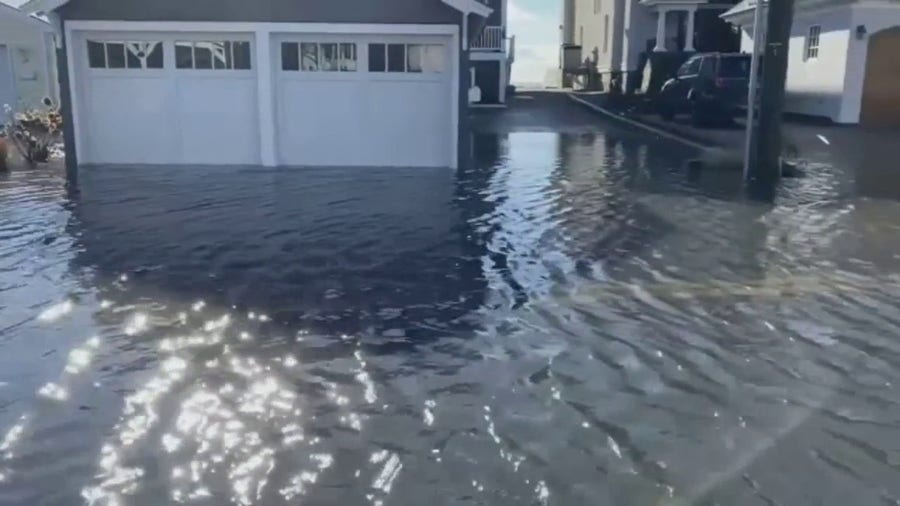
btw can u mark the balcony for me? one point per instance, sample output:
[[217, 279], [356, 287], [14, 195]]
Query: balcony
[[491, 39]]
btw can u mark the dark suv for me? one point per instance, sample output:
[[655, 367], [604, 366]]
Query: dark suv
[[711, 87]]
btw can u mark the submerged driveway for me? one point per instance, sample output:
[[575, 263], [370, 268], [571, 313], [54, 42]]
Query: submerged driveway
[[569, 319]]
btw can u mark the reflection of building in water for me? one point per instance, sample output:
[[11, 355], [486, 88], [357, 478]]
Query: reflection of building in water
[[339, 248]]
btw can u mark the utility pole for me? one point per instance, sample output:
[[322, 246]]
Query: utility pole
[[759, 38], [767, 149]]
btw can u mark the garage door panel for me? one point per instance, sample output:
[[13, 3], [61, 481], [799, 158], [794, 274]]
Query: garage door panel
[[218, 120], [129, 135], [417, 120], [386, 112], [319, 123]]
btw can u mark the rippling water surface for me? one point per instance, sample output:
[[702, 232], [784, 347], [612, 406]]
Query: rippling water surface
[[571, 320]]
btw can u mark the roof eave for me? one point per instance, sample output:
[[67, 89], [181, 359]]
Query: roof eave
[[470, 7]]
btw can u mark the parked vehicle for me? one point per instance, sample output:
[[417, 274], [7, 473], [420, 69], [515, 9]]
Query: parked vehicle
[[711, 87]]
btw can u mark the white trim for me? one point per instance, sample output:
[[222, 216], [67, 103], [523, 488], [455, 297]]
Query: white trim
[[470, 7], [487, 56], [72, 47], [264, 59], [265, 95], [219, 26], [455, 100], [505, 16]]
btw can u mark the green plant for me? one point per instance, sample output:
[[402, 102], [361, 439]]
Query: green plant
[[33, 131]]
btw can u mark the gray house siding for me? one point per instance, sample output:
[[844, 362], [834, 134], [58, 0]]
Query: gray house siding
[[318, 11], [496, 17]]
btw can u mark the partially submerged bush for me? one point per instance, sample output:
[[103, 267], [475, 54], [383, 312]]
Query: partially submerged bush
[[34, 131]]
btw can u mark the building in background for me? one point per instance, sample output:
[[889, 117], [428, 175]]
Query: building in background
[[27, 59], [492, 56], [616, 38], [844, 59]]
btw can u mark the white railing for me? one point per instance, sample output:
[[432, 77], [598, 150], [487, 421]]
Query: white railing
[[491, 39]]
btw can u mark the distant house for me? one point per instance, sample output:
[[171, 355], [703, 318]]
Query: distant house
[[266, 82], [616, 37], [492, 55], [27, 59], [844, 59]]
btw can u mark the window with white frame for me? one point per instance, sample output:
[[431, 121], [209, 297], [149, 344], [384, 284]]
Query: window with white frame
[[108, 54], [209, 55], [812, 42], [318, 56], [409, 58]]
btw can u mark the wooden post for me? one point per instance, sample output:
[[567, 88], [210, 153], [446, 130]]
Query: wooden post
[[771, 107]]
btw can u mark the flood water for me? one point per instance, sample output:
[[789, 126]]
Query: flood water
[[572, 319]]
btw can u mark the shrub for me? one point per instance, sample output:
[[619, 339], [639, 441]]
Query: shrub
[[33, 131]]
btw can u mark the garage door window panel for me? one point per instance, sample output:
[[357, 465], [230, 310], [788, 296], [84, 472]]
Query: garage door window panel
[[125, 54], [318, 56], [212, 55]]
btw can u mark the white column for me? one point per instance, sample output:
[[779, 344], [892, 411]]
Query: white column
[[661, 30], [265, 99], [689, 34]]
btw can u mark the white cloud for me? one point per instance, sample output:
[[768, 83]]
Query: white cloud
[[537, 41]]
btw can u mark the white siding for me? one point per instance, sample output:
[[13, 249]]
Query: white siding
[[35, 72], [831, 85], [816, 86]]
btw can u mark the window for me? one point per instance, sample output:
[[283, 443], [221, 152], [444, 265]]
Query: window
[[204, 55], [318, 57], [125, 55], [410, 58], [690, 68], [580, 35], [812, 42], [606, 33], [597, 6]]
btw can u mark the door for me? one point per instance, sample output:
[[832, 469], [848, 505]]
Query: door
[[7, 82], [685, 77], [364, 100], [881, 90], [168, 99]]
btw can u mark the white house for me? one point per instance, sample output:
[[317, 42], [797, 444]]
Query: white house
[[27, 59], [844, 61], [617, 36]]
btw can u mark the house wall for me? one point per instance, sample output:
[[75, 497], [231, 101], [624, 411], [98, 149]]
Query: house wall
[[589, 16], [32, 64], [875, 19], [816, 86], [640, 27]]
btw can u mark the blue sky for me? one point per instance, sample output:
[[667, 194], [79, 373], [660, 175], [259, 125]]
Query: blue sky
[[535, 23]]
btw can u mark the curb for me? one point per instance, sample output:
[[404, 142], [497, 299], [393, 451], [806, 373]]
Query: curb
[[638, 124]]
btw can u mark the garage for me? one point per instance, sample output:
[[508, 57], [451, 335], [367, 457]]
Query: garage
[[363, 100], [267, 96], [164, 99]]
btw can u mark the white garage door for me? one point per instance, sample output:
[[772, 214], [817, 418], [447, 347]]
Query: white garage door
[[363, 100], [168, 98]]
